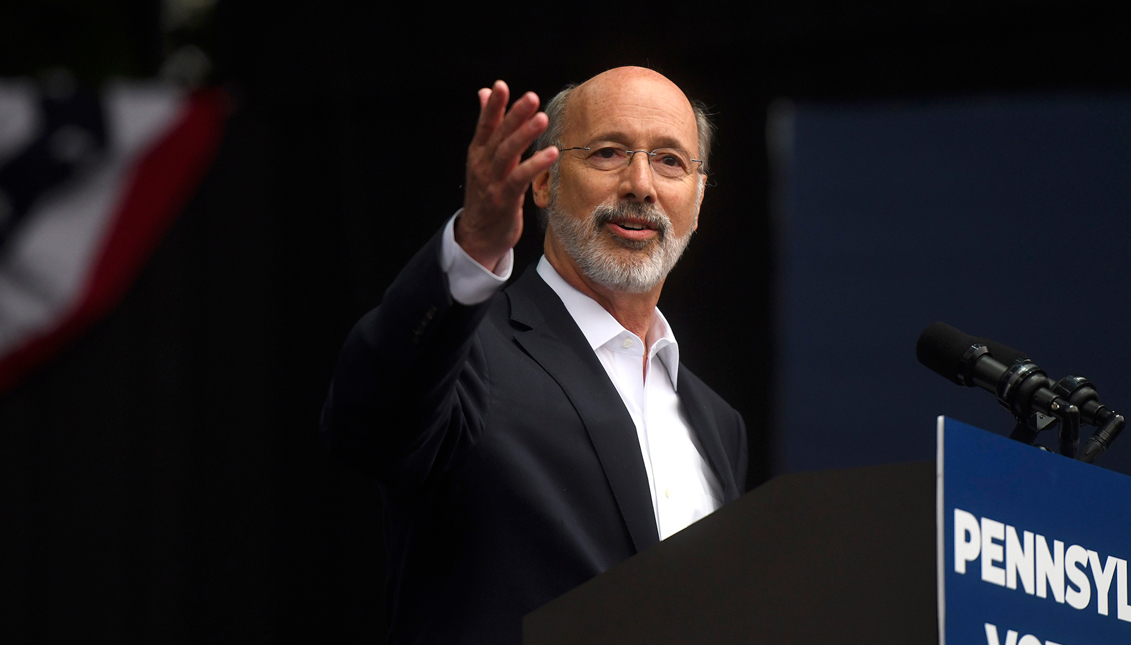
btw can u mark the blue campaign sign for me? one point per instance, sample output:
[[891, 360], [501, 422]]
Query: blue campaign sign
[[1033, 546]]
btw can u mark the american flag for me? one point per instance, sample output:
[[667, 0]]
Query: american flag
[[89, 183]]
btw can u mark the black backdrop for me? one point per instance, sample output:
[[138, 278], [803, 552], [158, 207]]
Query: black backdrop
[[162, 479]]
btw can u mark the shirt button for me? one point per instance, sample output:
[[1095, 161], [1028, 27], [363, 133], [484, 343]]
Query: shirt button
[[627, 343], [667, 492]]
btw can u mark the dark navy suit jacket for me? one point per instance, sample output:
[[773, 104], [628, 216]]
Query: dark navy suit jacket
[[510, 469]]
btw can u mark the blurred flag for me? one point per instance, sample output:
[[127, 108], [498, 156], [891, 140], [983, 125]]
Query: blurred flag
[[88, 186]]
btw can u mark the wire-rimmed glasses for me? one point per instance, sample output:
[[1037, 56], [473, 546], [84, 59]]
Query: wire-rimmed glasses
[[672, 163]]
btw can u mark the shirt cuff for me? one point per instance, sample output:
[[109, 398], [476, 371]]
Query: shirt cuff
[[470, 283]]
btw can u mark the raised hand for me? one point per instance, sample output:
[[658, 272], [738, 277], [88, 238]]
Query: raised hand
[[497, 178]]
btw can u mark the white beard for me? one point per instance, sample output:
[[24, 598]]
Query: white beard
[[620, 264]]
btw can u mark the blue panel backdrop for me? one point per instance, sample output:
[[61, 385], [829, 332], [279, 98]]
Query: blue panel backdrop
[[1004, 218]]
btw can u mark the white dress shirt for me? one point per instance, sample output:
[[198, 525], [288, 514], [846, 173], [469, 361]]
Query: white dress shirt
[[682, 485]]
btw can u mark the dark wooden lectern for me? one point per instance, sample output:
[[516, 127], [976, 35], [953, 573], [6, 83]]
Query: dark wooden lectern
[[842, 556]]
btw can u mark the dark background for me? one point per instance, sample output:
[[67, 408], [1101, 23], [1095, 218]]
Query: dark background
[[1005, 217], [163, 478]]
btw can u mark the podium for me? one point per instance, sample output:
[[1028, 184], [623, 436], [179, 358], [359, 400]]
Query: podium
[[943, 552]]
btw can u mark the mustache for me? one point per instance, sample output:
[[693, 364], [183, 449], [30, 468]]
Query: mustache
[[647, 213]]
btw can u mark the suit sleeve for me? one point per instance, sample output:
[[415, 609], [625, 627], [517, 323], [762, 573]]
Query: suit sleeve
[[410, 388]]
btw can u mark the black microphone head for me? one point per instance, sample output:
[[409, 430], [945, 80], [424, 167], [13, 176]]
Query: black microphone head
[[941, 348]]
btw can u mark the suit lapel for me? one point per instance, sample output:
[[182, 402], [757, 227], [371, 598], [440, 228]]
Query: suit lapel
[[702, 421], [553, 340]]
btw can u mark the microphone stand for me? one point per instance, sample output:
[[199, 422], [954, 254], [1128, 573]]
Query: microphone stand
[[1073, 401], [1024, 390], [1080, 392], [1027, 429]]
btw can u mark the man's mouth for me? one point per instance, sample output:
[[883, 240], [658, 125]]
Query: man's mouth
[[636, 225], [632, 226], [632, 229]]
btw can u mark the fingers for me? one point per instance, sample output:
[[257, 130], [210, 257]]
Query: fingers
[[496, 173], [510, 149], [491, 111], [496, 125], [526, 171], [525, 107]]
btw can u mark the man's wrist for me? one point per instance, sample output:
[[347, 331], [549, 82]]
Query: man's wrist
[[470, 281], [486, 255]]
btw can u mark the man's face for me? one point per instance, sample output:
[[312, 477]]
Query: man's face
[[623, 229]]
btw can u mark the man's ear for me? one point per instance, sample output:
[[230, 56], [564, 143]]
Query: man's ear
[[541, 187]]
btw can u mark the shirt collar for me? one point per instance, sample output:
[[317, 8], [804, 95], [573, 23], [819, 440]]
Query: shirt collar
[[599, 327]]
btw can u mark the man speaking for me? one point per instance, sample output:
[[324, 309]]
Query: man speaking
[[527, 439]]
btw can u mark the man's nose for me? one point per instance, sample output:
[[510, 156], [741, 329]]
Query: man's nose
[[637, 183]]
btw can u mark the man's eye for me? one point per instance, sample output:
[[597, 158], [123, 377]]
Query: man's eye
[[605, 153], [671, 160]]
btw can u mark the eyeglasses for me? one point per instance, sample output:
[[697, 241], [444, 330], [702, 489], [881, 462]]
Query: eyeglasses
[[666, 162]]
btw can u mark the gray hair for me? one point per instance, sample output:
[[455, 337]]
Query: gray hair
[[555, 110]]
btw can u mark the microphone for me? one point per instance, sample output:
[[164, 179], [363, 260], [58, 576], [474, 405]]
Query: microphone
[[1021, 387]]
